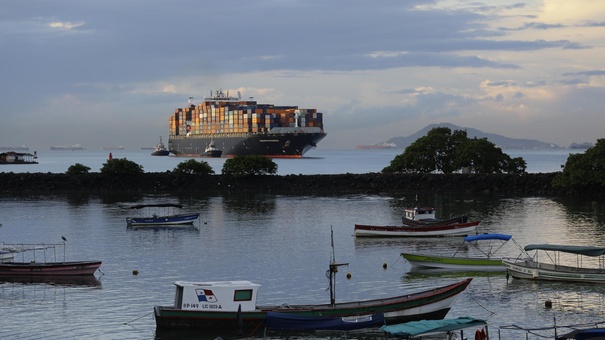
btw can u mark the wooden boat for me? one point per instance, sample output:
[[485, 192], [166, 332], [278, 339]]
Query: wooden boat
[[31, 265], [163, 214], [232, 304], [487, 261], [426, 216], [442, 230], [555, 270], [216, 304], [160, 149], [418, 329]]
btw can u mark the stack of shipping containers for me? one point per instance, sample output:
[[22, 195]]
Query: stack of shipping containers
[[240, 117]]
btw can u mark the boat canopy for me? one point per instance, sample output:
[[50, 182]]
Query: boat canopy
[[161, 205], [481, 237], [580, 250], [425, 327]]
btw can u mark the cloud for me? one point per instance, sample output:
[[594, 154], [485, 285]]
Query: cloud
[[390, 66]]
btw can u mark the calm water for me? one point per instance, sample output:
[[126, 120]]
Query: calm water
[[282, 243], [316, 161]]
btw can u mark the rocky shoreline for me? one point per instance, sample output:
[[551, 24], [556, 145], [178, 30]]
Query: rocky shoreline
[[326, 185]]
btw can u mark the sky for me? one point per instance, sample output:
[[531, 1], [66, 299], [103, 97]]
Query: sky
[[110, 73]]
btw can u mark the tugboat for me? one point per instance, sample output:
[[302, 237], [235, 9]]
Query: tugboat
[[160, 149], [212, 151]]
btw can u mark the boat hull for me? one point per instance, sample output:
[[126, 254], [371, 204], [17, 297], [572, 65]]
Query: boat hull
[[538, 271], [456, 229], [275, 145], [455, 263], [49, 268], [180, 219], [431, 304]]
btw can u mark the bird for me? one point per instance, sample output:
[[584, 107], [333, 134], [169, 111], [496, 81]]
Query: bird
[[63, 237]]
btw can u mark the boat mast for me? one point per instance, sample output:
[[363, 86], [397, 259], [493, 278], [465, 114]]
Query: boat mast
[[333, 270]]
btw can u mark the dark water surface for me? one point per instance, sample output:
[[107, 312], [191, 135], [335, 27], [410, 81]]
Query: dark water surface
[[282, 243]]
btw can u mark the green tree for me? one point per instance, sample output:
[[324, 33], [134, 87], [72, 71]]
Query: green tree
[[77, 169], [443, 151], [433, 152], [484, 157], [193, 167], [248, 165], [121, 166], [583, 170]]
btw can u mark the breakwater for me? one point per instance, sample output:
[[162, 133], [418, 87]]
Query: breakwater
[[539, 184]]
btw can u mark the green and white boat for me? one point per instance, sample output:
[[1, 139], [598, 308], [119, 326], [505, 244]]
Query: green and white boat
[[488, 261], [584, 264]]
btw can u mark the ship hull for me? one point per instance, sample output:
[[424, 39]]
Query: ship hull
[[275, 145]]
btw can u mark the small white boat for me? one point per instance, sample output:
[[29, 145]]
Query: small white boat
[[557, 269]]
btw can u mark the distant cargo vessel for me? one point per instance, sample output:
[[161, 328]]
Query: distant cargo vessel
[[244, 127], [14, 148], [377, 146], [67, 147]]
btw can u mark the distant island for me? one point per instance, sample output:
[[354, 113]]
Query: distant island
[[499, 140]]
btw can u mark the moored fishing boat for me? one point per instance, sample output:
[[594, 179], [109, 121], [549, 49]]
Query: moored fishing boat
[[557, 269], [232, 304], [160, 214], [244, 127], [227, 304], [35, 262], [486, 259], [454, 229]]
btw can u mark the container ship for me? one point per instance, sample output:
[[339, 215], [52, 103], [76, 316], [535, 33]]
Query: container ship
[[243, 127]]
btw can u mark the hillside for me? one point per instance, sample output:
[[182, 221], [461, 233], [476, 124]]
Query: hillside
[[499, 140]]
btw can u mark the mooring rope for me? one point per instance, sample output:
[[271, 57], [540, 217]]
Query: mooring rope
[[126, 323]]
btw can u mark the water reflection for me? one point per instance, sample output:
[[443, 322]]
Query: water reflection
[[67, 281]]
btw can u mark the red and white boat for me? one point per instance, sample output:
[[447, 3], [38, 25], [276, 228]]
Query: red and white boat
[[439, 230], [33, 260]]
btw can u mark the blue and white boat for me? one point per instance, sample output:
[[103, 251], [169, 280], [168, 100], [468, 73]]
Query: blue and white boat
[[161, 215]]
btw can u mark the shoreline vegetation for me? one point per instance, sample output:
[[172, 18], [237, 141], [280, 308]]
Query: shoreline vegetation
[[535, 184]]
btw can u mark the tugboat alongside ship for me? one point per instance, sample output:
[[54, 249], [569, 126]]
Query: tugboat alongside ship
[[160, 149], [212, 151], [244, 127]]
